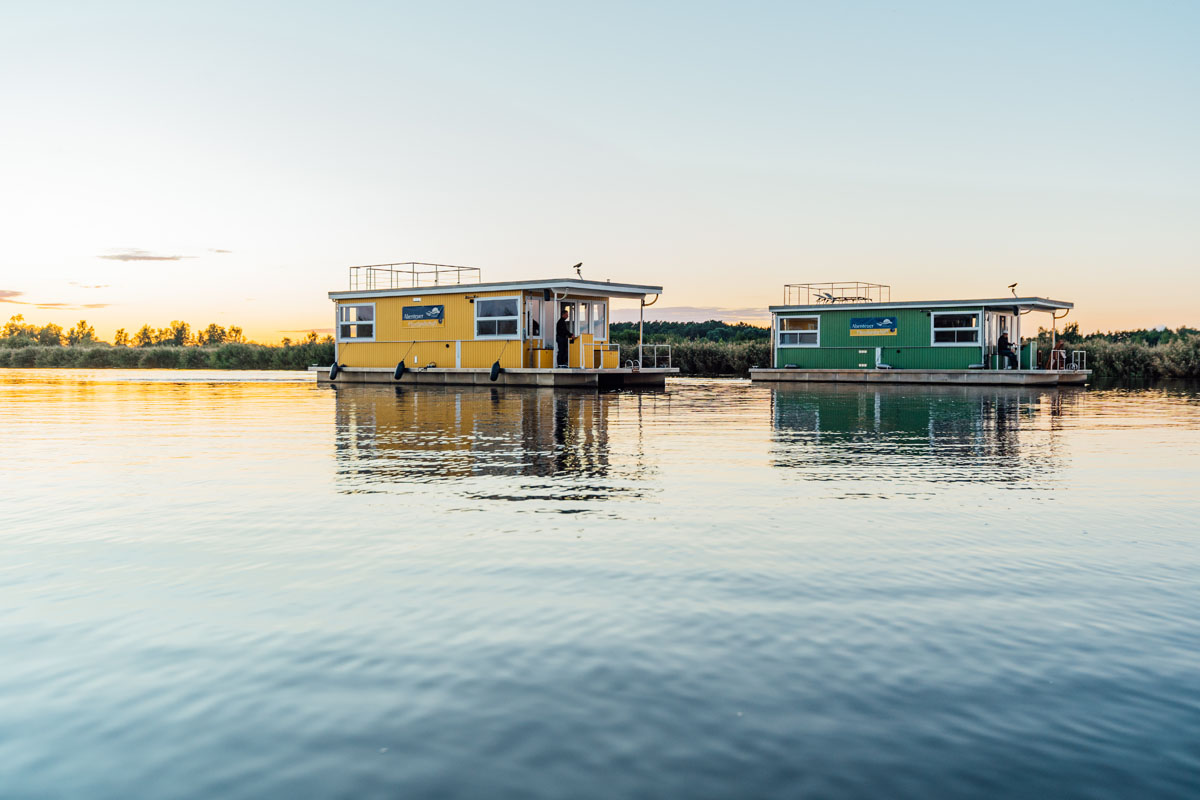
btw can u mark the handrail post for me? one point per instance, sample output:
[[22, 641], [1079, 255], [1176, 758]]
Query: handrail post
[[641, 322]]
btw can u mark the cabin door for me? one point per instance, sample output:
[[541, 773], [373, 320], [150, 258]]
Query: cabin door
[[996, 323], [562, 356], [572, 309], [535, 323]]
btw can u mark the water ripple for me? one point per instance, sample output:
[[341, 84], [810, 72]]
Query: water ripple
[[242, 585]]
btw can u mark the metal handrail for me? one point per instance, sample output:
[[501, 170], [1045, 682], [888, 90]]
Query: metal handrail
[[1059, 361], [835, 292], [654, 358], [410, 275]]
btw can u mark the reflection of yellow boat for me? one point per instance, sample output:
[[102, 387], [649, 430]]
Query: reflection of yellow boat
[[394, 437], [429, 323]]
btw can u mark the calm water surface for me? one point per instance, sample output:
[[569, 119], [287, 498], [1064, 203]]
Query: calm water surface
[[243, 586]]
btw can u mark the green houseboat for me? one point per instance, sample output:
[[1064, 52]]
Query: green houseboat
[[855, 332]]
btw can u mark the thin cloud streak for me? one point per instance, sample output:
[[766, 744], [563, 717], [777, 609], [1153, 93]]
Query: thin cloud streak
[[8, 295], [134, 254], [90, 285], [66, 306]]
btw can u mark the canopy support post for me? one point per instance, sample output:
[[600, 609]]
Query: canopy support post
[[641, 325]]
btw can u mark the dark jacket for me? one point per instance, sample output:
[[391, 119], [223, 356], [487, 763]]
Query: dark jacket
[[562, 332], [1002, 343]]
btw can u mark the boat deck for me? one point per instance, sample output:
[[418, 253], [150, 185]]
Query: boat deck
[[580, 378], [967, 377]]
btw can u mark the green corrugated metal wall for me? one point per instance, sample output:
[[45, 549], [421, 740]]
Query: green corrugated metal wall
[[909, 348]]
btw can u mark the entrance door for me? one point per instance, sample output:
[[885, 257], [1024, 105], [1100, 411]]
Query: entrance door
[[996, 323], [534, 324], [572, 309]]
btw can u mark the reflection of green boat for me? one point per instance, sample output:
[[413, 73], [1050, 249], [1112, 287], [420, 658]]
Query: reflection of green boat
[[934, 433], [855, 332]]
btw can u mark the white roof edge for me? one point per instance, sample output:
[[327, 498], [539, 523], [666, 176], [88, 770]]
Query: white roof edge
[[1043, 302], [603, 288]]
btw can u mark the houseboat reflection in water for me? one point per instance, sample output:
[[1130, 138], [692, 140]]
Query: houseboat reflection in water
[[390, 438], [924, 434]]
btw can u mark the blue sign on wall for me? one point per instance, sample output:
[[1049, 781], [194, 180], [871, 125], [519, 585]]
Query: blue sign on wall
[[872, 326], [434, 313]]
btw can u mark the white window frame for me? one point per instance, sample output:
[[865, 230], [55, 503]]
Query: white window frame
[[337, 323], [599, 304], [933, 328], [533, 309], [779, 331], [499, 336]]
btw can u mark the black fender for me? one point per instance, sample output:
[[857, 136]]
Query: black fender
[[495, 371], [333, 371], [400, 370]]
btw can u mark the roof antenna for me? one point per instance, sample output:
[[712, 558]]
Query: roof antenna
[[578, 270], [1012, 287]]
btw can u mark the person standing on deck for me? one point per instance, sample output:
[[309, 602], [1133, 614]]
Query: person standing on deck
[[562, 338], [1004, 348]]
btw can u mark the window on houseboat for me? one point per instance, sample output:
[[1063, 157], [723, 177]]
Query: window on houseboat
[[957, 328], [799, 331], [497, 317], [582, 322], [533, 316], [356, 322], [599, 328]]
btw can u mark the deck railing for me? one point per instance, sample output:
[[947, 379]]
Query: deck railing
[[1067, 360], [808, 294], [410, 275], [653, 356]]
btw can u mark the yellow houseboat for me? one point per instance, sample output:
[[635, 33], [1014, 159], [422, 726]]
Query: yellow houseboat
[[434, 323]]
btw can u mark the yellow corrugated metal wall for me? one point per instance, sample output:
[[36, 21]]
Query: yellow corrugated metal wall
[[421, 342]]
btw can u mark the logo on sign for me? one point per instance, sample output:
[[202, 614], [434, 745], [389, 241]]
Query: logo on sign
[[872, 326], [424, 313]]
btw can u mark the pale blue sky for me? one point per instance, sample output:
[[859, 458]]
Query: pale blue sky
[[720, 149]]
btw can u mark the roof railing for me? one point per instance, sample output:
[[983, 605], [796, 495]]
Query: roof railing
[[809, 294], [410, 275]]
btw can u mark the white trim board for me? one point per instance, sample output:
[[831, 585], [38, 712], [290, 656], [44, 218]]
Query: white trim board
[[1028, 303], [600, 288]]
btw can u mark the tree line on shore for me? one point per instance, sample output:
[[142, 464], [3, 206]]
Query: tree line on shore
[[626, 333], [718, 348], [173, 347], [19, 333], [705, 348], [1145, 354]]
